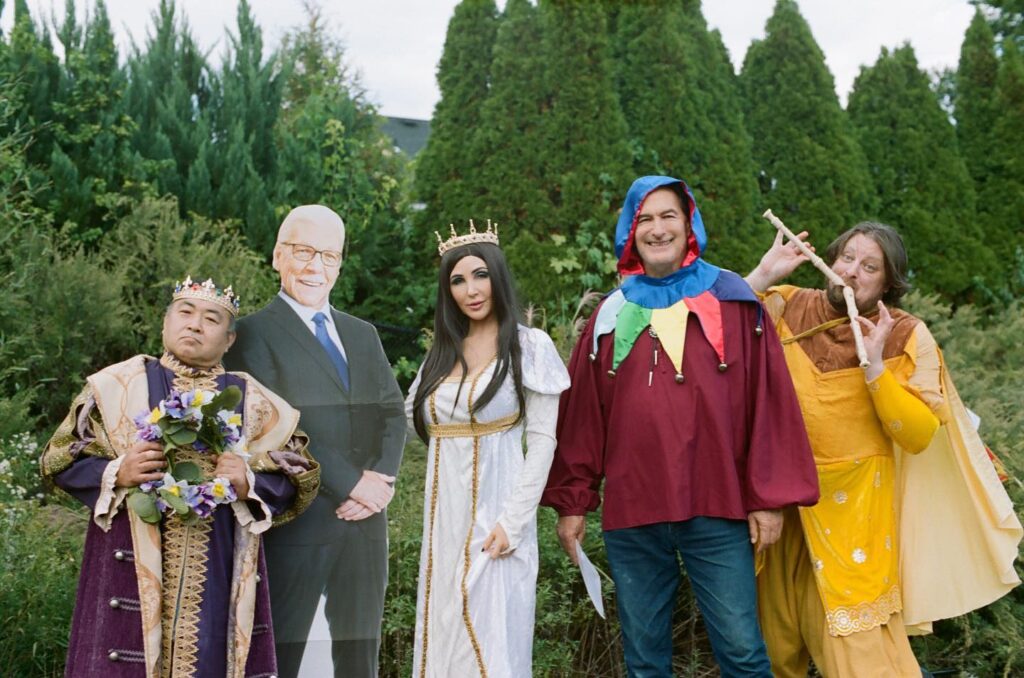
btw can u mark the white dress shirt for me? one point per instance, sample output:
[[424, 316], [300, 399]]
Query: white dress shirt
[[306, 314]]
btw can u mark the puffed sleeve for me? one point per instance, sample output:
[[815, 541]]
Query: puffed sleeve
[[544, 379]]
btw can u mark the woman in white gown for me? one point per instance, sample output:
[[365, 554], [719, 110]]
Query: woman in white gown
[[485, 380]]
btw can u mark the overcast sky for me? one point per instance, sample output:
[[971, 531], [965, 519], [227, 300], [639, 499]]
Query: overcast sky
[[396, 44]]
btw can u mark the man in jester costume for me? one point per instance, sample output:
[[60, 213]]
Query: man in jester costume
[[681, 402], [913, 523]]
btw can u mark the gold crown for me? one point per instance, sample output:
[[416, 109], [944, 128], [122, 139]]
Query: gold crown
[[207, 291], [456, 240]]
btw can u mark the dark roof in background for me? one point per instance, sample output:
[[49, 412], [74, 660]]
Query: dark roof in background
[[409, 134]]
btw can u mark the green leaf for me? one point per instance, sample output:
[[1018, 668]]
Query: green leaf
[[188, 472], [182, 437], [175, 502], [144, 506], [227, 399]]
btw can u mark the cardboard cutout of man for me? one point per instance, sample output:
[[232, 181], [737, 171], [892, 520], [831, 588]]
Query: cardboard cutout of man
[[332, 368]]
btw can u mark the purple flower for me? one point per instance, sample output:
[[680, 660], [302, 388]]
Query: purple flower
[[151, 485]]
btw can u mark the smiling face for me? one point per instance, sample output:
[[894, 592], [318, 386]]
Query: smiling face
[[197, 332], [308, 282], [470, 285], [661, 233], [861, 265]]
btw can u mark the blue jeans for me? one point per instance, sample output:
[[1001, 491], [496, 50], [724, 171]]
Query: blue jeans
[[719, 559]]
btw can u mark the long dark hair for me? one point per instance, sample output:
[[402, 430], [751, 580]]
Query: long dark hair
[[451, 327]]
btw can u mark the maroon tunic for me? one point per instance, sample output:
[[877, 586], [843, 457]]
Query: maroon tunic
[[720, 444]]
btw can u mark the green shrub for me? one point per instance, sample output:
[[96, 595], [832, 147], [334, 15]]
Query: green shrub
[[40, 557]]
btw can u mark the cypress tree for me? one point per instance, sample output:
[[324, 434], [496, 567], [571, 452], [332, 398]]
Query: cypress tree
[[90, 127], [509, 138], [446, 168], [247, 99], [1005, 189], [681, 101], [921, 181], [586, 159], [168, 98], [810, 170], [975, 99]]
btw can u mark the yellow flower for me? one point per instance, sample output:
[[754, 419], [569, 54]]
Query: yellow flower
[[199, 399], [174, 489], [235, 419], [219, 491], [155, 415]]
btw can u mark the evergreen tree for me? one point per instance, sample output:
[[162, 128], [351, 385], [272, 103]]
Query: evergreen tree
[[1005, 188], [810, 170], [584, 157], [975, 99], [509, 137], [922, 183], [247, 100], [446, 169], [332, 151], [1007, 19], [168, 98], [681, 101], [90, 128], [31, 64]]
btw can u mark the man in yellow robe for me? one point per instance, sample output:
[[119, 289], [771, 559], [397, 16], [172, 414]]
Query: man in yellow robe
[[910, 503]]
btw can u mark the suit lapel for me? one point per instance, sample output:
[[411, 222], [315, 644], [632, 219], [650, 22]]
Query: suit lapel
[[292, 324]]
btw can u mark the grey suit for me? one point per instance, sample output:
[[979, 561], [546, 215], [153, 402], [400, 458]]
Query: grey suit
[[349, 431]]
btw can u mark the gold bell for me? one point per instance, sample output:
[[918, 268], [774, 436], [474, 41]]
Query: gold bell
[[680, 378], [759, 330], [592, 357], [722, 367], [611, 374]]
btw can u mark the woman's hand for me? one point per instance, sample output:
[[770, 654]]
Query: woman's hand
[[496, 543]]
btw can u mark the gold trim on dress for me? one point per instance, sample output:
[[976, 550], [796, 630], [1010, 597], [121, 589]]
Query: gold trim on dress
[[466, 556], [430, 542], [842, 621], [472, 429]]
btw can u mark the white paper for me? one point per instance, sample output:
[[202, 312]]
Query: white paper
[[591, 579]]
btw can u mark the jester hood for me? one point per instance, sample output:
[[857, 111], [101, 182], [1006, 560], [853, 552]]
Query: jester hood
[[664, 304]]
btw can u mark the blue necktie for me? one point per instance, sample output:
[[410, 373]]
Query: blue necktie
[[320, 320]]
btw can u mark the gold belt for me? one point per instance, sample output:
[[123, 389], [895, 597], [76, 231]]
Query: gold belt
[[472, 429]]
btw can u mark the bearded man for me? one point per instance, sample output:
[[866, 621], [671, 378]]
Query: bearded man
[[913, 523]]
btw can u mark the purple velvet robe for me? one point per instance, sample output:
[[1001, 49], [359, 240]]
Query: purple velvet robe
[[106, 630]]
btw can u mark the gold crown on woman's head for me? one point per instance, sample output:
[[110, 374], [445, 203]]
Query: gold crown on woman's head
[[207, 291], [456, 240]]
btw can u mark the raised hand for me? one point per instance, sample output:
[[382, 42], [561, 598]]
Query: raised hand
[[875, 336], [779, 261]]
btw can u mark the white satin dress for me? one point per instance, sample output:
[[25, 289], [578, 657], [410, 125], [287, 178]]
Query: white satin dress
[[474, 615]]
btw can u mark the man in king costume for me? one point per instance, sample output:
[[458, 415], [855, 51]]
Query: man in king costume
[[913, 523], [177, 597], [680, 400]]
